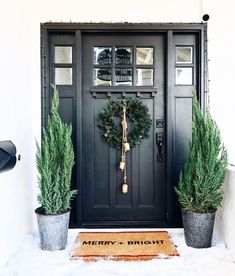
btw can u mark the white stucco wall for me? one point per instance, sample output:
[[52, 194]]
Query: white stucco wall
[[221, 39], [17, 120], [20, 83], [222, 98]]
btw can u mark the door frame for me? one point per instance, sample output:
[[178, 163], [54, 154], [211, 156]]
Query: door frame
[[199, 29]]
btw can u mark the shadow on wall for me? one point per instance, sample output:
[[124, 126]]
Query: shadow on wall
[[225, 217]]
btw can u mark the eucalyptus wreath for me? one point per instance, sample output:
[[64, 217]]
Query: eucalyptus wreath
[[138, 115]]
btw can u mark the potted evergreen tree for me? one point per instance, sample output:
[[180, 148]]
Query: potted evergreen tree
[[200, 182], [55, 160]]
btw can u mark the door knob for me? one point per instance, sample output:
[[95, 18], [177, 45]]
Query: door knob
[[159, 142]]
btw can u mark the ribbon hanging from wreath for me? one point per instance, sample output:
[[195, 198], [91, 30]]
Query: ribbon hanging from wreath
[[137, 114]]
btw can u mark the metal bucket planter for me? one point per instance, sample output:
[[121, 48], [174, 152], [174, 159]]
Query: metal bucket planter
[[198, 228], [53, 230]]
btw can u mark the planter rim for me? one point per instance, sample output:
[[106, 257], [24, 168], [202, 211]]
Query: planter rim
[[186, 211], [39, 211]]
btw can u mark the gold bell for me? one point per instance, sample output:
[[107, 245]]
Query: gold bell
[[122, 164], [124, 124], [126, 146], [124, 188]]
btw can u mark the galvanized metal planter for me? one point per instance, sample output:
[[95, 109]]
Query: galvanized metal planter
[[198, 228], [53, 230]]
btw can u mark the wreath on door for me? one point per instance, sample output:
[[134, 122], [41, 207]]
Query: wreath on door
[[137, 114], [134, 111]]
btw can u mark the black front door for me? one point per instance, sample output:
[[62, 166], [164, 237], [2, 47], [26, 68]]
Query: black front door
[[93, 64], [132, 66]]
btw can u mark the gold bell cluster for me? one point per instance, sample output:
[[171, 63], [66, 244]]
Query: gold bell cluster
[[125, 148]]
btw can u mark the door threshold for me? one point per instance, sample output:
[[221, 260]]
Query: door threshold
[[172, 230], [124, 224]]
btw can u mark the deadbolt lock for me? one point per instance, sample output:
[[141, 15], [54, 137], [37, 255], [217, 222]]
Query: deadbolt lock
[[159, 123]]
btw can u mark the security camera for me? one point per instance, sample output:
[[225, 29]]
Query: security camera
[[205, 17]]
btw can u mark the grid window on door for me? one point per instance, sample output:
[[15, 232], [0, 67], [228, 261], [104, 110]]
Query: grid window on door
[[144, 66], [123, 66], [63, 65]]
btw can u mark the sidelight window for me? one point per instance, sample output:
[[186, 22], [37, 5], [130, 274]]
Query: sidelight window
[[184, 76], [63, 65], [184, 69], [63, 54], [184, 54], [63, 76]]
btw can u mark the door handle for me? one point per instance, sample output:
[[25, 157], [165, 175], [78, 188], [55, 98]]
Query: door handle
[[159, 142]]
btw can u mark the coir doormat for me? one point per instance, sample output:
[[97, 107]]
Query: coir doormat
[[128, 246]]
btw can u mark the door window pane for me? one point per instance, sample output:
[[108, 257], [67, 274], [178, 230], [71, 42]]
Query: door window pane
[[184, 76], [63, 76], [123, 76], [144, 77], [144, 55], [63, 54], [184, 54], [102, 76], [103, 55], [123, 55]]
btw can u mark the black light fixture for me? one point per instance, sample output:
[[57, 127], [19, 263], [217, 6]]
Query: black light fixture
[[105, 57], [123, 75], [122, 57], [7, 156], [104, 74]]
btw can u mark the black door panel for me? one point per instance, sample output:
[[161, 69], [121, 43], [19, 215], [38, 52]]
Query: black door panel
[[102, 180]]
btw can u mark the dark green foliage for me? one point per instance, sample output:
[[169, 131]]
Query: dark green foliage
[[55, 160], [138, 115], [200, 182]]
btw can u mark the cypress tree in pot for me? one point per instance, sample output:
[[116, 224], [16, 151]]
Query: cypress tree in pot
[[200, 182], [55, 160]]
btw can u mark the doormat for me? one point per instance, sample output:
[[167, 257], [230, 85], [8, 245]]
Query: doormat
[[125, 246]]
